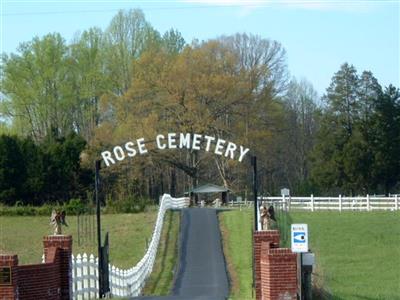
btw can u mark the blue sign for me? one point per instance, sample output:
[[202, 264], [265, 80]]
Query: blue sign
[[299, 238]]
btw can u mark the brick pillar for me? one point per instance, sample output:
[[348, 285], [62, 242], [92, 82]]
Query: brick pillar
[[64, 243], [278, 273], [9, 291], [271, 238]]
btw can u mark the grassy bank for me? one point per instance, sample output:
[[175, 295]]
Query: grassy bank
[[161, 279], [128, 233], [236, 230], [358, 253]]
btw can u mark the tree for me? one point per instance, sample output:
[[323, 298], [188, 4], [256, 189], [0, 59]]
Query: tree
[[361, 164], [12, 170], [264, 59], [368, 91], [127, 36], [341, 97], [357, 146], [192, 92], [199, 90], [61, 166], [386, 142], [87, 80], [301, 119], [36, 95], [34, 186], [337, 128], [263, 63], [173, 42]]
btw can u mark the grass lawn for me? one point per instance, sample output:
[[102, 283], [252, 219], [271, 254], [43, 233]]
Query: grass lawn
[[127, 234], [236, 230], [357, 253], [161, 279]]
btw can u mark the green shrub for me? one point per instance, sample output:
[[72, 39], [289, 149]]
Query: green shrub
[[72, 207], [128, 204], [45, 209], [17, 210], [75, 207]]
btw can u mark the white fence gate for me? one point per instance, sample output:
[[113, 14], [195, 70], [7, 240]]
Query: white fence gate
[[85, 280]]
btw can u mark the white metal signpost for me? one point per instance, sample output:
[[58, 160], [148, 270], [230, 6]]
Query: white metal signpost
[[285, 192], [299, 237]]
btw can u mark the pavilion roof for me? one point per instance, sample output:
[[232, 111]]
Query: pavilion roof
[[209, 188]]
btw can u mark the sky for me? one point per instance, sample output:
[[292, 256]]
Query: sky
[[318, 36]]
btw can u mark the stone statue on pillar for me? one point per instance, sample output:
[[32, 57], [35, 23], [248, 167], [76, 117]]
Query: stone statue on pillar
[[56, 220], [267, 217]]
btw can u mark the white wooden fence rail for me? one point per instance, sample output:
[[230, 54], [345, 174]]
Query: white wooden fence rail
[[367, 203], [122, 282], [341, 203]]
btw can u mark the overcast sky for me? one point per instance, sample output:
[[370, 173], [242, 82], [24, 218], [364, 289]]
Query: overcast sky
[[318, 35]]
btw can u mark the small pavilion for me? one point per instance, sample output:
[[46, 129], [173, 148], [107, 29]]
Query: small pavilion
[[211, 189]]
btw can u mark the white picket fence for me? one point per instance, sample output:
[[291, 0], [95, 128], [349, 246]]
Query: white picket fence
[[85, 277], [367, 203], [123, 283]]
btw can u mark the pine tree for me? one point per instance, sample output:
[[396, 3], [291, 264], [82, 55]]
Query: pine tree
[[386, 138]]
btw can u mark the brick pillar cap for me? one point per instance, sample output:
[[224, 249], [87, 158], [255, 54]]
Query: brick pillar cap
[[4, 254], [8, 259], [281, 251], [57, 237], [266, 232], [62, 241]]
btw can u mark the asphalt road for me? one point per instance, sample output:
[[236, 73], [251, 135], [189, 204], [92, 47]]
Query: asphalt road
[[202, 272]]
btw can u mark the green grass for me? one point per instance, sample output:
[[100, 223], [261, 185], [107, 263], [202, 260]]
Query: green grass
[[236, 229], [161, 279], [357, 253], [128, 234]]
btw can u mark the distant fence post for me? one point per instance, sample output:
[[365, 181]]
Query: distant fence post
[[396, 202], [368, 203], [340, 203], [312, 202], [283, 203]]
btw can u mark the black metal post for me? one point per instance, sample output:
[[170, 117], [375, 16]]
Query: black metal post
[[100, 254], [254, 164]]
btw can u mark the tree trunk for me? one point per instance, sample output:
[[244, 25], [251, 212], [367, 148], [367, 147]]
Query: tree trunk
[[172, 190]]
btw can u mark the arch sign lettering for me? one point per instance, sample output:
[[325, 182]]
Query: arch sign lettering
[[176, 141]]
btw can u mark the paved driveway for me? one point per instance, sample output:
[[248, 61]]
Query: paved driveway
[[202, 272]]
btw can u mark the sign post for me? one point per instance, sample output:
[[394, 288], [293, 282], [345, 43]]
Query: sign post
[[299, 238], [98, 214], [254, 164], [285, 192]]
